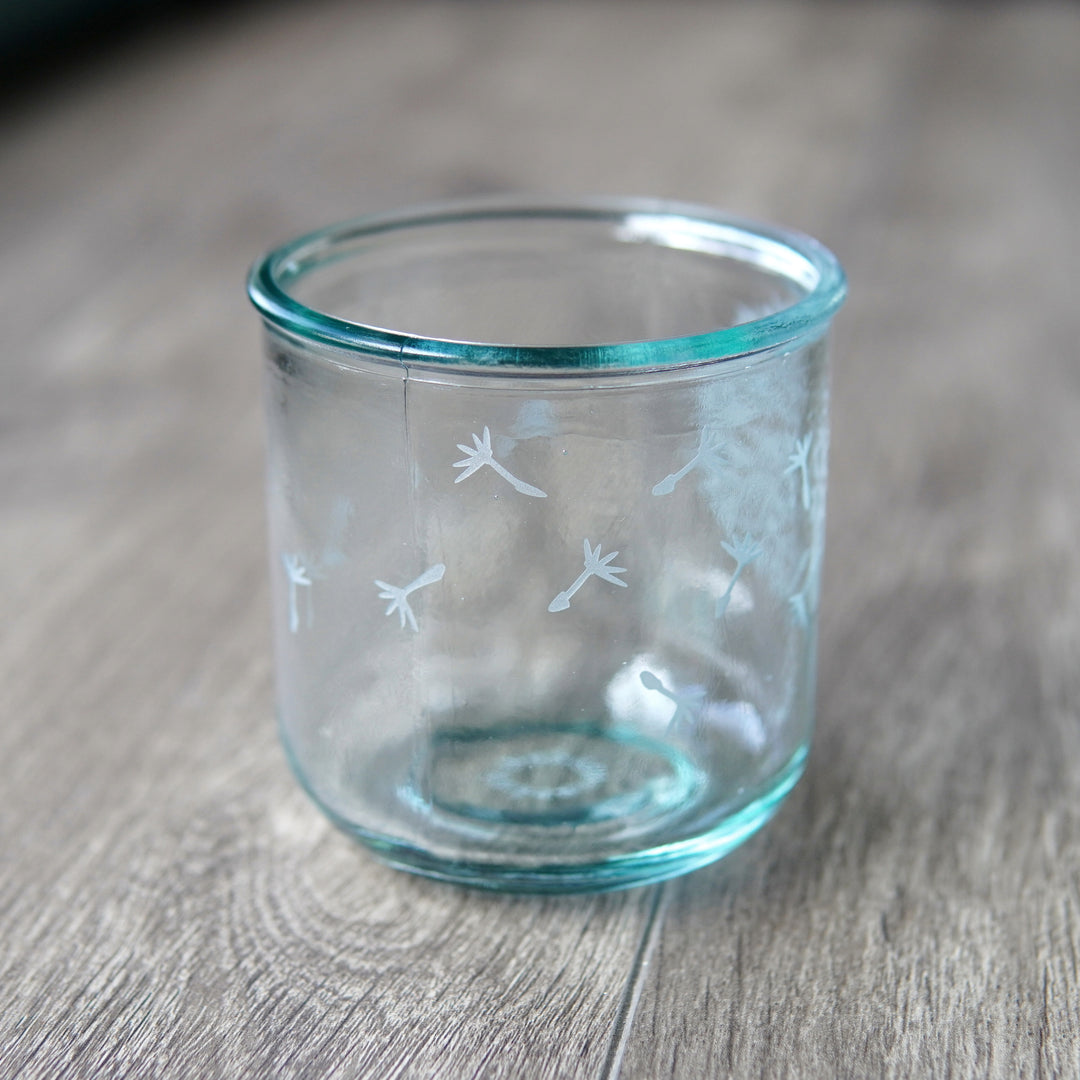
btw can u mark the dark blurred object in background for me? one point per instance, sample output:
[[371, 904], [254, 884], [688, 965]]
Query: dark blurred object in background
[[39, 38]]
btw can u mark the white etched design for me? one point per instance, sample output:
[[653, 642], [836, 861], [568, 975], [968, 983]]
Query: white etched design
[[476, 457], [744, 550], [799, 602], [800, 609], [298, 578], [594, 567], [398, 597], [687, 704], [709, 454], [799, 462]]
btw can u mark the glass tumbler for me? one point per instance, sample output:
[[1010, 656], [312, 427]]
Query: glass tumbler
[[547, 498]]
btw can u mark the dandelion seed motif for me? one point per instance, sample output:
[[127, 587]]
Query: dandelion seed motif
[[398, 597], [710, 452], [298, 577], [744, 550], [799, 602], [687, 704], [799, 462], [800, 609], [594, 567], [476, 457]]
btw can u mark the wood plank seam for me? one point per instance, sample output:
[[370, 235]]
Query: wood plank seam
[[624, 1018]]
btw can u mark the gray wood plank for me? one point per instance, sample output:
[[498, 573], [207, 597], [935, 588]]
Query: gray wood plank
[[915, 910]]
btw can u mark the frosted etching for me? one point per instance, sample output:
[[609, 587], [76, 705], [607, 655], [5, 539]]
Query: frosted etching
[[755, 416], [799, 462], [800, 609], [687, 704], [298, 578], [594, 567], [479, 455], [744, 550], [800, 602], [398, 597], [709, 454]]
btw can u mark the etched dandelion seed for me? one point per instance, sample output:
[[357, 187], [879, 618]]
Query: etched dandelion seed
[[594, 567], [479, 455], [744, 550], [800, 609], [710, 453], [799, 462], [398, 597], [799, 602], [298, 577]]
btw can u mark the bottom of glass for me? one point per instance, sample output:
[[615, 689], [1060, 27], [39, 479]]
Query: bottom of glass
[[554, 775], [547, 808]]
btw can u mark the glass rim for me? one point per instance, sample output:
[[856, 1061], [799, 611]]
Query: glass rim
[[785, 252]]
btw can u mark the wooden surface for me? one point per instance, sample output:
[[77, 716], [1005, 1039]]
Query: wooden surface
[[169, 902]]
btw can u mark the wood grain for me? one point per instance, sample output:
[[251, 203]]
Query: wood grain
[[170, 905]]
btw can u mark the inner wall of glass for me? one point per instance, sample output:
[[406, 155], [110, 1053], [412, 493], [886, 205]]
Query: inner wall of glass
[[540, 282]]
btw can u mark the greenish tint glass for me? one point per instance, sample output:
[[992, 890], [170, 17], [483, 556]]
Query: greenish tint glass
[[547, 499]]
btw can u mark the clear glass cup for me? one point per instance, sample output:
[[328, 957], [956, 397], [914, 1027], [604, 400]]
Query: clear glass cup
[[547, 498]]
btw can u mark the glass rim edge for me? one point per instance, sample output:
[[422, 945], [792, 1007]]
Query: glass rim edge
[[808, 317]]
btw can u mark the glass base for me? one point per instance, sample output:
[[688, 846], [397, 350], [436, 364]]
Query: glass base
[[554, 809], [551, 776]]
